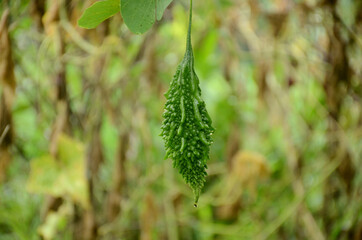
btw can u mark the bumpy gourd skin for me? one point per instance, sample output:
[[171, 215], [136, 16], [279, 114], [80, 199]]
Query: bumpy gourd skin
[[186, 128]]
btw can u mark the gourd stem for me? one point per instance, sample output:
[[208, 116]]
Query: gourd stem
[[188, 43]]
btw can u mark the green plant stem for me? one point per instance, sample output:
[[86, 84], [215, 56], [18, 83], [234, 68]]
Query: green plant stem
[[188, 41]]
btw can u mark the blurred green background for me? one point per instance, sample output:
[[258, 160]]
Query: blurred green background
[[81, 110]]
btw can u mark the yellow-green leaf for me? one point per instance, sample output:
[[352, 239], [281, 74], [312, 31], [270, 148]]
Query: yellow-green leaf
[[63, 175]]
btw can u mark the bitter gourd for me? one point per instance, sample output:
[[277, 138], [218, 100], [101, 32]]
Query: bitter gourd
[[187, 128]]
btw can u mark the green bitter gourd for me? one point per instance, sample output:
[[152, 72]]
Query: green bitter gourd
[[186, 128]]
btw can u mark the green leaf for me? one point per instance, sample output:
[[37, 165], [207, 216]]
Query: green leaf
[[161, 7], [140, 15], [98, 12]]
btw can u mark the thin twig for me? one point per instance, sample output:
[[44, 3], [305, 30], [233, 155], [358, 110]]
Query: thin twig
[[6, 130], [74, 35]]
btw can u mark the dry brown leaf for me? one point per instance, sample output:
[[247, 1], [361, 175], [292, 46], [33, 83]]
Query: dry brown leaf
[[249, 167]]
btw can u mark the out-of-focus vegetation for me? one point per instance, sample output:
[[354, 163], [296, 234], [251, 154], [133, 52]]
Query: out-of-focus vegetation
[[81, 110]]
